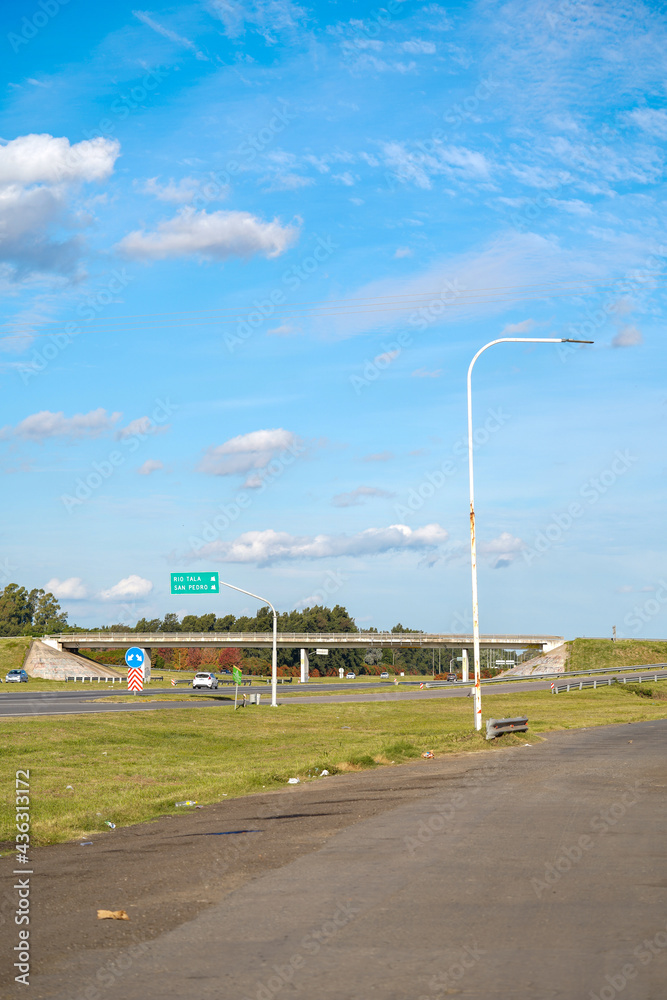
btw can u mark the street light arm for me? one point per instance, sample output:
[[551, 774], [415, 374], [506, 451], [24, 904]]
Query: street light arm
[[477, 690], [274, 649]]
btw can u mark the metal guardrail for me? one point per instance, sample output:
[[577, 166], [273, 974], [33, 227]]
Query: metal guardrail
[[100, 680], [498, 727], [546, 676], [605, 682]]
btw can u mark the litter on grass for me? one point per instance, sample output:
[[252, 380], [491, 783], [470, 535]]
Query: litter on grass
[[69, 786], [293, 781], [112, 915], [110, 824], [428, 754], [188, 802], [324, 774], [86, 843]]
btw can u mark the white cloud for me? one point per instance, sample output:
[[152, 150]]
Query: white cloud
[[264, 547], [150, 465], [418, 166], [402, 252], [269, 18], [45, 159], [415, 46], [71, 589], [45, 424], [179, 193], [215, 234], [380, 456], [38, 175], [284, 330], [130, 587], [356, 497], [652, 120], [249, 453], [627, 336], [139, 428], [179, 40], [422, 373], [525, 326], [502, 550]]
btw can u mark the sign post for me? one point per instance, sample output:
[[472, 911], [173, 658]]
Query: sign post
[[134, 658], [238, 677]]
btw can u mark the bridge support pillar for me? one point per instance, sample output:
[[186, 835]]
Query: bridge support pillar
[[464, 665], [146, 665], [53, 643], [305, 666]]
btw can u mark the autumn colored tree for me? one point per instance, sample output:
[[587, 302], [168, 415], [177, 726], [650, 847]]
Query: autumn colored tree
[[230, 657], [194, 658]]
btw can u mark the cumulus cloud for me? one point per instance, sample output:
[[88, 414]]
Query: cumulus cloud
[[216, 235], [356, 497], [139, 428], [45, 424], [502, 550], [71, 589], [627, 336], [249, 453], [45, 159], [38, 177], [150, 465], [130, 587], [264, 547]]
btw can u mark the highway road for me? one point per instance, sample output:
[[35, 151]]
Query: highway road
[[537, 873], [22, 702]]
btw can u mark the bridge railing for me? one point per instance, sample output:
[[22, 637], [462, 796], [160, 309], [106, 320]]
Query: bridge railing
[[412, 639]]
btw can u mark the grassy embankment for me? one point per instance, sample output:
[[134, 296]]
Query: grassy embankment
[[133, 767], [12, 653], [594, 654]]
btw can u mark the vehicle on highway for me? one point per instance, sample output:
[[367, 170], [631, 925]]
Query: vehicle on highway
[[384, 675], [204, 679], [451, 676], [17, 676], [350, 676]]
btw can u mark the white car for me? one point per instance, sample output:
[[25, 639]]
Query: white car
[[205, 680], [350, 676], [384, 675]]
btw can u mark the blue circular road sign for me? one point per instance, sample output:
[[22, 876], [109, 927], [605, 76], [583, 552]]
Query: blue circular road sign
[[134, 656]]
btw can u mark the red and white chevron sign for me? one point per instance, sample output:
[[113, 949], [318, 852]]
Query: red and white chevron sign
[[135, 678]]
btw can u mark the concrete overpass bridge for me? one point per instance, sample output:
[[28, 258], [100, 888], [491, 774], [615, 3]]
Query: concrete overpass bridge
[[304, 641]]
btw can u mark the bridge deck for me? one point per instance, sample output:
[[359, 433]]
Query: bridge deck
[[296, 640]]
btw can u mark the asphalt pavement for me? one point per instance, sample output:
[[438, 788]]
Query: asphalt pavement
[[532, 873]]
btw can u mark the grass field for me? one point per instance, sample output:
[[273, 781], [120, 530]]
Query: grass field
[[133, 767], [12, 653], [593, 654]]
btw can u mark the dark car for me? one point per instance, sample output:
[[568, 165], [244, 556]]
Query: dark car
[[16, 675], [451, 676]]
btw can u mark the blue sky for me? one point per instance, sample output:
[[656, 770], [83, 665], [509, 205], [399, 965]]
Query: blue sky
[[246, 254]]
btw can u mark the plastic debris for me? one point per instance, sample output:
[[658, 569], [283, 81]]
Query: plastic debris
[[428, 754], [86, 843], [112, 915], [293, 781], [324, 774], [346, 727], [188, 802], [69, 786], [110, 824]]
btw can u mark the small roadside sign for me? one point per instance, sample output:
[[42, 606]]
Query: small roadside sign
[[237, 675], [134, 657], [135, 679], [195, 583]]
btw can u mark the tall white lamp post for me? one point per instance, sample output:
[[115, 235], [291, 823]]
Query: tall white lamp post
[[274, 653], [473, 542]]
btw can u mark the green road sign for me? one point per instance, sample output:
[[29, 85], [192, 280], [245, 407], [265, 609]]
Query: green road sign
[[237, 675], [195, 583]]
